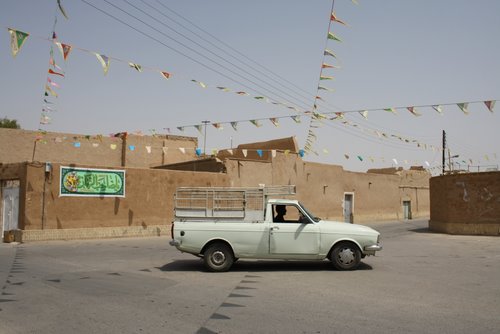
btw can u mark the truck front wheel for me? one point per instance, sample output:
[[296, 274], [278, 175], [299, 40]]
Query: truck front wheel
[[345, 256], [218, 257]]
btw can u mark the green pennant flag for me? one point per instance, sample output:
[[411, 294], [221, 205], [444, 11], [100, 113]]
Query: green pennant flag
[[463, 107], [333, 37], [17, 39]]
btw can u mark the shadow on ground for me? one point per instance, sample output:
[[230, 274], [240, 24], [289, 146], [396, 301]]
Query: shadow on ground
[[258, 266]]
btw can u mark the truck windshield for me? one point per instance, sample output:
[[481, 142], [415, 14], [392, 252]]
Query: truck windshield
[[313, 217]]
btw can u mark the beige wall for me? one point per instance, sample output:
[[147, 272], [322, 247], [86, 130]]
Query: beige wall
[[465, 203], [378, 195], [22, 145], [148, 201]]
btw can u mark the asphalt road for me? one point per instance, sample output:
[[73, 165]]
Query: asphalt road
[[421, 282]]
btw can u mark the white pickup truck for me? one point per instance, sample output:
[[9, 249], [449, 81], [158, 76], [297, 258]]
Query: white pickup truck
[[223, 225]]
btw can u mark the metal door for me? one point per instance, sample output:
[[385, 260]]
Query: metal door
[[348, 208], [406, 210], [10, 209]]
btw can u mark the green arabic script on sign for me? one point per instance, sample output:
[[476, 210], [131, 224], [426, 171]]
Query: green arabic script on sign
[[92, 182]]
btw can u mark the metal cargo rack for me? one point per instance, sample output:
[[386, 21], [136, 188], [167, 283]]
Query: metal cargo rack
[[226, 203]]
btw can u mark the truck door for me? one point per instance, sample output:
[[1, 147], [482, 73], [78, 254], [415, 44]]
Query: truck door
[[293, 235]]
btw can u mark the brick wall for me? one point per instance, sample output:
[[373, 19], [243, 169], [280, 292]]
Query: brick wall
[[466, 203]]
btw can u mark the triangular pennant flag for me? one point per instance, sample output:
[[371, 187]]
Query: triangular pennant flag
[[242, 93], [413, 110], [325, 151], [104, 60], [256, 123], [165, 150], [346, 156], [324, 77], [296, 119], [137, 67], [259, 97], [148, 149], [180, 128], [395, 161], [360, 158], [199, 128], [490, 105], [301, 153], [17, 39], [327, 89], [273, 153], [166, 75], [50, 91], [245, 152], [392, 110], [329, 53], [44, 119], [50, 71], [218, 126], [325, 65], [334, 18], [215, 151], [259, 152], [52, 83], [438, 108], [286, 152], [234, 125], [62, 9], [333, 37], [198, 151], [53, 63], [230, 151], [64, 48], [224, 89], [112, 146], [275, 121], [364, 113], [131, 147], [463, 107], [202, 85]]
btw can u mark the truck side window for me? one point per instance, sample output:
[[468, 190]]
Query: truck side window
[[287, 214]]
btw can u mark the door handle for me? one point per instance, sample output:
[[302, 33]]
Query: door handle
[[275, 228]]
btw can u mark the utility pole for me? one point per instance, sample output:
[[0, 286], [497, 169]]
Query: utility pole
[[444, 150], [205, 137]]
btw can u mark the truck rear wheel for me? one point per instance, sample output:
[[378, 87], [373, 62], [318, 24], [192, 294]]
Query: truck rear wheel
[[218, 257]]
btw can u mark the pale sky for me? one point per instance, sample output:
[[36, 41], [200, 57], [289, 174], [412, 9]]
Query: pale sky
[[393, 53]]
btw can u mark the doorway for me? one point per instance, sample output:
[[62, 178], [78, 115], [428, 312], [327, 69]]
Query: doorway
[[10, 206], [406, 210], [349, 208]]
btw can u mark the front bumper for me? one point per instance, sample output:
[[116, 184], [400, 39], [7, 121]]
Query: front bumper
[[373, 248]]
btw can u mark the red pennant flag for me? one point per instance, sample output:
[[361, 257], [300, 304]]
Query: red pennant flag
[[334, 18], [166, 75], [490, 105], [54, 72]]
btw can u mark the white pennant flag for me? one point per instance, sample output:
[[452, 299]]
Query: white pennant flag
[[245, 152]]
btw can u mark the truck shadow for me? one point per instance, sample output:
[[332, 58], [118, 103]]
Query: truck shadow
[[258, 266]]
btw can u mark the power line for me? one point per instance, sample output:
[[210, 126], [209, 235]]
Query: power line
[[297, 89], [169, 47], [220, 49]]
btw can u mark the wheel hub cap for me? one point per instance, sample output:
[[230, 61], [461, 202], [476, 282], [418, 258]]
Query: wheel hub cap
[[346, 256], [218, 258]]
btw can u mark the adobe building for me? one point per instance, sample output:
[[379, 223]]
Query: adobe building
[[466, 203], [35, 207]]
